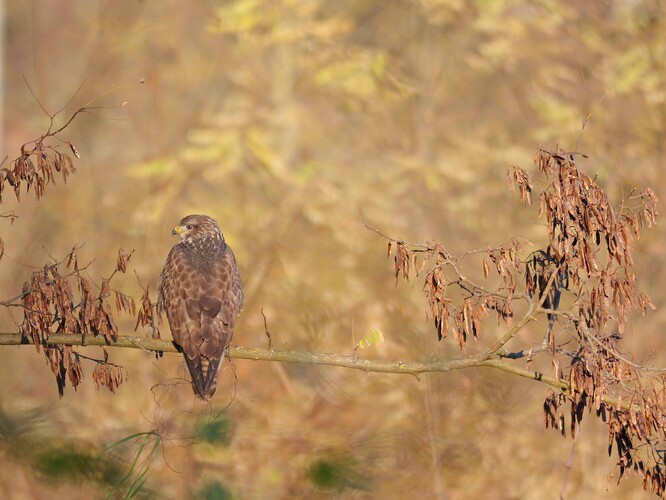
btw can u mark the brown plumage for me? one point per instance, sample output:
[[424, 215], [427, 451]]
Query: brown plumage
[[201, 292]]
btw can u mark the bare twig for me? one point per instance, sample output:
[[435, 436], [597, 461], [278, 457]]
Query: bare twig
[[268, 334], [418, 245], [569, 465]]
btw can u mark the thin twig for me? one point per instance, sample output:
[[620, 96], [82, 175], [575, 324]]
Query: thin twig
[[532, 313], [35, 97], [565, 481], [419, 245], [268, 334]]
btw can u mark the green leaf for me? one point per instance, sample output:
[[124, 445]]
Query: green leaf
[[373, 338]]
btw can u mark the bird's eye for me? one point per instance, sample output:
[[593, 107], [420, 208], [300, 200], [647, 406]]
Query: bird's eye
[[189, 227]]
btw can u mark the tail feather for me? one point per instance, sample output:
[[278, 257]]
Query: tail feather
[[204, 375], [211, 367]]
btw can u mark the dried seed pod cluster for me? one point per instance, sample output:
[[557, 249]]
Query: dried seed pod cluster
[[53, 305], [36, 167], [583, 283]]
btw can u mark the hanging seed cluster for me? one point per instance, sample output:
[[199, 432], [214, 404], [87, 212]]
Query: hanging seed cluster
[[37, 166], [56, 303], [463, 320], [590, 244], [587, 265], [589, 240]]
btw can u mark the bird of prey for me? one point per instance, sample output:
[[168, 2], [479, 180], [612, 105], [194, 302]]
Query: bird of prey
[[202, 294]]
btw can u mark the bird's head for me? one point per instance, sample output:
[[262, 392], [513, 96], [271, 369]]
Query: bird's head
[[196, 226]]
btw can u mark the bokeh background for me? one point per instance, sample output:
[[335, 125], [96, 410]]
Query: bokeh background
[[293, 123]]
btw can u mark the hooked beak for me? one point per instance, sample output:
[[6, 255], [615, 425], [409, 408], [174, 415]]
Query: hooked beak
[[176, 231]]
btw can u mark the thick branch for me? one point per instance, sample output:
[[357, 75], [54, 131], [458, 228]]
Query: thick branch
[[92, 340], [313, 358], [368, 365]]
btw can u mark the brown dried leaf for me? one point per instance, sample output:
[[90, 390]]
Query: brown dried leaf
[[104, 289], [71, 258], [123, 259], [74, 150]]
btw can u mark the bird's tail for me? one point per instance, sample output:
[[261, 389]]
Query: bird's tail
[[204, 375]]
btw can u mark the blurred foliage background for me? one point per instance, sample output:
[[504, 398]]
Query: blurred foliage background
[[293, 122]]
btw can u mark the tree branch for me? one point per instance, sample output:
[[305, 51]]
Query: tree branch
[[313, 358], [144, 343]]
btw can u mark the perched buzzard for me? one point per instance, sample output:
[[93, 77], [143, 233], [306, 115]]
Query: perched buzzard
[[201, 291]]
